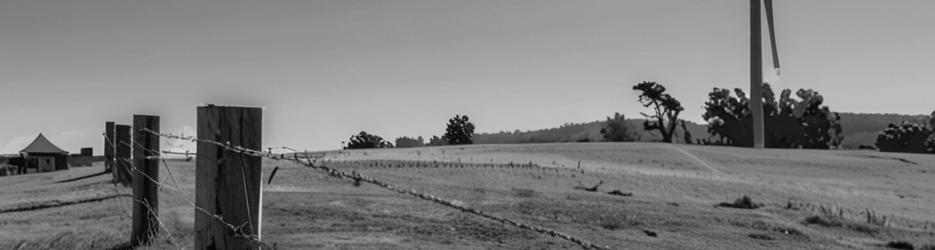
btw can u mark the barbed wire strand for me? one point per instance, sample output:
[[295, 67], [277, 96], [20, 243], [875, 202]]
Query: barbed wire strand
[[237, 230], [161, 224], [246, 196], [357, 177]]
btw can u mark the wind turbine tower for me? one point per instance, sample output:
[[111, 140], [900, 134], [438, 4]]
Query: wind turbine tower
[[756, 67]]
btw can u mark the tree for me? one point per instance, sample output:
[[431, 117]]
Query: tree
[[666, 108], [406, 142], [789, 123], [364, 140], [616, 130], [908, 137], [459, 131], [905, 137]]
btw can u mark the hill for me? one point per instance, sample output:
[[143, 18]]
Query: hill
[[859, 129], [583, 132]]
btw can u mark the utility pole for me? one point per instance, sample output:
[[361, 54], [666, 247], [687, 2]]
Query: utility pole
[[756, 75]]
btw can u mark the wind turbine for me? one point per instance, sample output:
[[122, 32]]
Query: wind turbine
[[756, 67]]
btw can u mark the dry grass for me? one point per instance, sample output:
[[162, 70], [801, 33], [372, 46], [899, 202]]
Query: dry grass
[[303, 209]]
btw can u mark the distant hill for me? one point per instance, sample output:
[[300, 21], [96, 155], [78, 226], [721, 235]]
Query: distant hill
[[859, 129], [583, 132]]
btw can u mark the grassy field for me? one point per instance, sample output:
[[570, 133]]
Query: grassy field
[[808, 200]]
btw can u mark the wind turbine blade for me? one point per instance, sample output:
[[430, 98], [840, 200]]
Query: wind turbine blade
[[772, 34]]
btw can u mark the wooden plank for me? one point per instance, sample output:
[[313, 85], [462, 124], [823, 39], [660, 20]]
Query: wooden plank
[[122, 154], [108, 146], [228, 183], [145, 192]]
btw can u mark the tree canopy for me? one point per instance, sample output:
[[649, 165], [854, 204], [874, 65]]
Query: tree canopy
[[789, 122], [364, 140]]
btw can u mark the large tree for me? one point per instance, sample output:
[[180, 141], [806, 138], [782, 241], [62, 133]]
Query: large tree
[[666, 109], [789, 123], [459, 130]]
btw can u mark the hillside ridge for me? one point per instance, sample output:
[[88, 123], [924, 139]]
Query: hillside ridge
[[859, 129]]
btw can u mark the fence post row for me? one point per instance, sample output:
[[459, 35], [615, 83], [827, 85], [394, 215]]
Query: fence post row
[[122, 154], [108, 146], [227, 183], [145, 190]]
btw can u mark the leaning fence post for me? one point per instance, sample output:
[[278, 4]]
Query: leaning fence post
[[108, 146], [227, 184], [145, 190], [122, 154]]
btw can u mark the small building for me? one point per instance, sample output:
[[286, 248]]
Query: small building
[[87, 152], [44, 156]]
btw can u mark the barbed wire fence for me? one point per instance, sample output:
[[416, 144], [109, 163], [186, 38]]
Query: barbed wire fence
[[309, 161], [175, 187], [312, 162]]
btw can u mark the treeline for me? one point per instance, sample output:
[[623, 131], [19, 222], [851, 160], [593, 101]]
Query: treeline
[[791, 120], [458, 131]]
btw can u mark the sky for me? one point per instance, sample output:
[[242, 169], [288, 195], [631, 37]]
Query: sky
[[325, 70]]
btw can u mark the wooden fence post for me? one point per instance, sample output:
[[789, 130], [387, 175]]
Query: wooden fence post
[[145, 190], [122, 154], [228, 183], [108, 146]]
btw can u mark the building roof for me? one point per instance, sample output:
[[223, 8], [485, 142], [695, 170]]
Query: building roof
[[41, 145]]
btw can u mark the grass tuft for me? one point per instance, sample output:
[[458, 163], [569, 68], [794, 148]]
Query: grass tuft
[[824, 221], [743, 203], [900, 245]]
